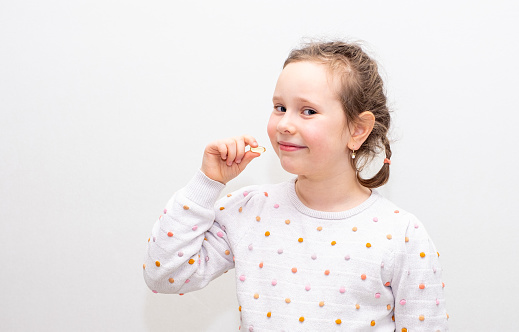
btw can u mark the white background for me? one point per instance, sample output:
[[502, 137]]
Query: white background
[[106, 107]]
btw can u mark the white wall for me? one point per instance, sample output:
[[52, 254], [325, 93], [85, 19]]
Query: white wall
[[106, 106]]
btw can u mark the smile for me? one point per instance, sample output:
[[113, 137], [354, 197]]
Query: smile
[[287, 146]]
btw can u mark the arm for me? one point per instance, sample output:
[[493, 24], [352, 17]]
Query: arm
[[417, 282], [188, 248]]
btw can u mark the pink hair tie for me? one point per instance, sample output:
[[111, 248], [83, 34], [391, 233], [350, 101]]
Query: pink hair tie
[[387, 161]]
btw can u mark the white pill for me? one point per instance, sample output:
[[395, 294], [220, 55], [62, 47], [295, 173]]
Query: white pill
[[259, 149]]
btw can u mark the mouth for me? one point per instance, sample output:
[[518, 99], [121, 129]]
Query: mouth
[[287, 146]]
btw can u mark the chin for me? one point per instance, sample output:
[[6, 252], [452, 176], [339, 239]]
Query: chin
[[291, 167]]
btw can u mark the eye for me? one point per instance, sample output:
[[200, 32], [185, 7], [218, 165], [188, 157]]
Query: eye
[[280, 108], [309, 112]]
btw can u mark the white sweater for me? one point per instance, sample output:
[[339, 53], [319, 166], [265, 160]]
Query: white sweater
[[370, 268]]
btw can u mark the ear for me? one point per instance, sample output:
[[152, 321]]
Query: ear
[[361, 130]]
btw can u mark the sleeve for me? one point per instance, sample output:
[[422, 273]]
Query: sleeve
[[187, 248], [417, 282]]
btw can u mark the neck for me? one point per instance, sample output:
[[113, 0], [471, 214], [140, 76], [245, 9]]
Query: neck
[[333, 194]]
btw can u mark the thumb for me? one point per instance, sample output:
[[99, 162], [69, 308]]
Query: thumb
[[247, 158]]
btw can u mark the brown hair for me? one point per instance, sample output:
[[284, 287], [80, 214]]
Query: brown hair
[[361, 90]]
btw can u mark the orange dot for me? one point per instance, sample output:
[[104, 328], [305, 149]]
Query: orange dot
[[338, 322], [393, 318], [261, 265], [363, 277], [321, 304], [301, 319], [157, 263], [191, 261], [357, 306], [239, 308], [240, 209], [438, 254], [387, 284], [256, 296], [334, 243], [443, 285], [422, 254], [388, 307], [372, 323], [422, 286], [269, 314], [143, 266], [447, 316], [205, 238], [266, 194], [227, 252], [354, 229], [171, 280], [406, 239], [287, 300], [294, 269], [396, 211], [229, 195], [421, 318], [186, 207], [300, 239], [319, 228], [389, 236], [148, 239], [258, 218], [368, 245], [327, 272], [267, 233], [404, 329], [222, 208], [287, 221], [170, 234]]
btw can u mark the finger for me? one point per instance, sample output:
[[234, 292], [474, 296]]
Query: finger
[[247, 158], [249, 140], [240, 149], [222, 149], [231, 151]]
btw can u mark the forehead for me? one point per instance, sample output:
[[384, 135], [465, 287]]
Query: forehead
[[309, 80]]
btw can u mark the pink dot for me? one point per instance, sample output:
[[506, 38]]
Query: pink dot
[[382, 265], [195, 228], [242, 278], [180, 254], [437, 302], [154, 291], [165, 211], [154, 238], [375, 219], [307, 287], [415, 225], [223, 227], [251, 328], [274, 282], [314, 256], [220, 234], [250, 246], [342, 290], [245, 193], [276, 206], [187, 280], [207, 258], [280, 251], [377, 295], [434, 269], [402, 302], [347, 257]]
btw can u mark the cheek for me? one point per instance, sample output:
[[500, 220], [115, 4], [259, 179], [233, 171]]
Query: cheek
[[272, 129]]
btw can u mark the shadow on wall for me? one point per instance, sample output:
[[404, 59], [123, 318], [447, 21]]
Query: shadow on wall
[[212, 309]]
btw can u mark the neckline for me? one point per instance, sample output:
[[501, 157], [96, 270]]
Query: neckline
[[294, 199]]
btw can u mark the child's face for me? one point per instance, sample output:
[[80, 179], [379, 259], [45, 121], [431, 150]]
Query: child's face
[[307, 127]]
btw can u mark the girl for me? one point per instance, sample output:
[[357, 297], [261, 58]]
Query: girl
[[325, 250]]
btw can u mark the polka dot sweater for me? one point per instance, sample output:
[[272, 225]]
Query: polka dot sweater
[[370, 268]]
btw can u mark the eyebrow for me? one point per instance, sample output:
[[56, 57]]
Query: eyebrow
[[298, 98]]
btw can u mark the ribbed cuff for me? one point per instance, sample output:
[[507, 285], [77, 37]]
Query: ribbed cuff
[[202, 190]]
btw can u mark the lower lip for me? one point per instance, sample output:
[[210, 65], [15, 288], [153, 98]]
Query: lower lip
[[290, 148]]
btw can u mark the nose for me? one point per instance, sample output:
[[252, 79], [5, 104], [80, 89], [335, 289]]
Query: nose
[[286, 125]]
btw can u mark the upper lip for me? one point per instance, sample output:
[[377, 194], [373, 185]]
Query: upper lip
[[290, 144]]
